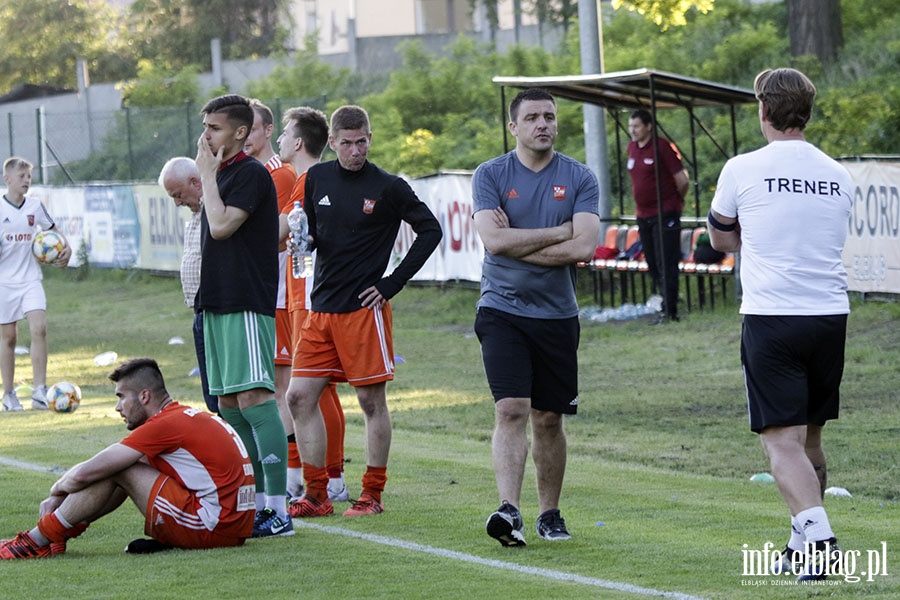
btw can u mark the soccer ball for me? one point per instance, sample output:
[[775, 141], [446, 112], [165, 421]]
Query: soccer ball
[[64, 397], [47, 246]]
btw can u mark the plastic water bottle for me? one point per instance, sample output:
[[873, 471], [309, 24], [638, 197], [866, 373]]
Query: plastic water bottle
[[301, 257]]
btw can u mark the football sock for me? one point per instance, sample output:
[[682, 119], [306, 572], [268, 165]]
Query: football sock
[[797, 537], [272, 444], [373, 481], [235, 418], [53, 527], [278, 504], [335, 425], [814, 524], [316, 482], [293, 453]]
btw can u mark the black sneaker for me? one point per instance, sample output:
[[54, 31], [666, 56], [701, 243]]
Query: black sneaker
[[820, 555], [146, 546], [789, 561], [269, 524], [506, 525], [551, 526]]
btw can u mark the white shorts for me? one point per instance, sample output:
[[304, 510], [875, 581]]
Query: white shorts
[[17, 299]]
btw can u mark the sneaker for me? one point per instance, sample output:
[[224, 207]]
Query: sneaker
[[39, 398], [146, 546], [337, 490], [23, 546], [294, 483], [552, 527], [306, 508], [269, 524], [506, 525], [818, 561], [366, 505], [11, 402], [787, 561]]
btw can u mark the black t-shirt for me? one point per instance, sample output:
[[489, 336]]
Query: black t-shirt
[[241, 273], [354, 217]]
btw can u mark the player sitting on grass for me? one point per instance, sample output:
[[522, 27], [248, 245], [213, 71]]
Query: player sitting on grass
[[185, 469]]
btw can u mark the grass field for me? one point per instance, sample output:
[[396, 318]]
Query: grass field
[[657, 492]]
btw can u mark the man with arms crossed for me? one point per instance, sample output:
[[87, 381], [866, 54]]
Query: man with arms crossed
[[186, 470], [537, 213], [785, 208], [355, 210]]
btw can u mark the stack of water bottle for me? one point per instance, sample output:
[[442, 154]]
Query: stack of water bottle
[[301, 254], [624, 312]]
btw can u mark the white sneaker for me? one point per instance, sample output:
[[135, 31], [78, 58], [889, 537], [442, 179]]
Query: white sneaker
[[11, 402], [39, 398], [294, 483], [337, 490]]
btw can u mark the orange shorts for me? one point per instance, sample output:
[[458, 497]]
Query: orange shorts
[[355, 347], [298, 319], [284, 338], [172, 519]]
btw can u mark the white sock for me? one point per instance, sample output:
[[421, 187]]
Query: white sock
[[278, 504], [260, 501], [797, 537], [814, 524]]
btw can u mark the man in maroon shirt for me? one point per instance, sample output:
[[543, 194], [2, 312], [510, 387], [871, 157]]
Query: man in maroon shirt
[[658, 216]]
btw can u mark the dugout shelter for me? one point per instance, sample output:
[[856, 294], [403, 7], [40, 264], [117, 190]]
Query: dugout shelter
[[624, 91], [648, 89]]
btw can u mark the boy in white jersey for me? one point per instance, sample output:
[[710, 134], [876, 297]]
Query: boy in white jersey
[[785, 207], [22, 294]]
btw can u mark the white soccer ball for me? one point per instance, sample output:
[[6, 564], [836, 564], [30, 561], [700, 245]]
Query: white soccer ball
[[47, 246], [64, 397]]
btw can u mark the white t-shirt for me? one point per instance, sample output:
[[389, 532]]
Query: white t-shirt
[[18, 226], [793, 204]]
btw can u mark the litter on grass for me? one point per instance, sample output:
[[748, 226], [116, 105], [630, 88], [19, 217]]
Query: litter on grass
[[838, 491], [175, 340], [762, 478], [104, 359], [20, 350]]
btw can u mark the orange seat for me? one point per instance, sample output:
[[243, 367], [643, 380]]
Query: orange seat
[[631, 236], [612, 233]]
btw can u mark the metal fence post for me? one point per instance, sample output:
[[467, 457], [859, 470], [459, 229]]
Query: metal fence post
[[128, 137], [40, 146]]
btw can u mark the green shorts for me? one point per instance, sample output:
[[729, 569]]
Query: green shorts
[[240, 352]]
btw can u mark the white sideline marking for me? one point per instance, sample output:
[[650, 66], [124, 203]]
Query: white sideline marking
[[469, 558], [498, 564], [31, 466]]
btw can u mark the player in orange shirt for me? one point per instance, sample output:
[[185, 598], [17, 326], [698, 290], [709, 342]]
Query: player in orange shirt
[[259, 145], [186, 470], [302, 143]]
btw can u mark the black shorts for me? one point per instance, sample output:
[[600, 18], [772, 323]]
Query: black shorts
[[530, 358], [792, 369]]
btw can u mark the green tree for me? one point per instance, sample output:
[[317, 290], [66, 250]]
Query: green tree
[[665, 13], [154, 86], [42, 42], [178, 32]]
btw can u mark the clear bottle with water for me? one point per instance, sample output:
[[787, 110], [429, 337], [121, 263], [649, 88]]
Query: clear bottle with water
[[301, 256]]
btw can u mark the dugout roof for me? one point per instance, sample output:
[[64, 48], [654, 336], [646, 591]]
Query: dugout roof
[[647, 89], [639, 88]]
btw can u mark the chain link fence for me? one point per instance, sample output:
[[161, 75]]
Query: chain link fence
[[130, 144]]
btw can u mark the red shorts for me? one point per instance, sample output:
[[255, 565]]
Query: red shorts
[[284, 338], [172, 519], [355, 347]]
